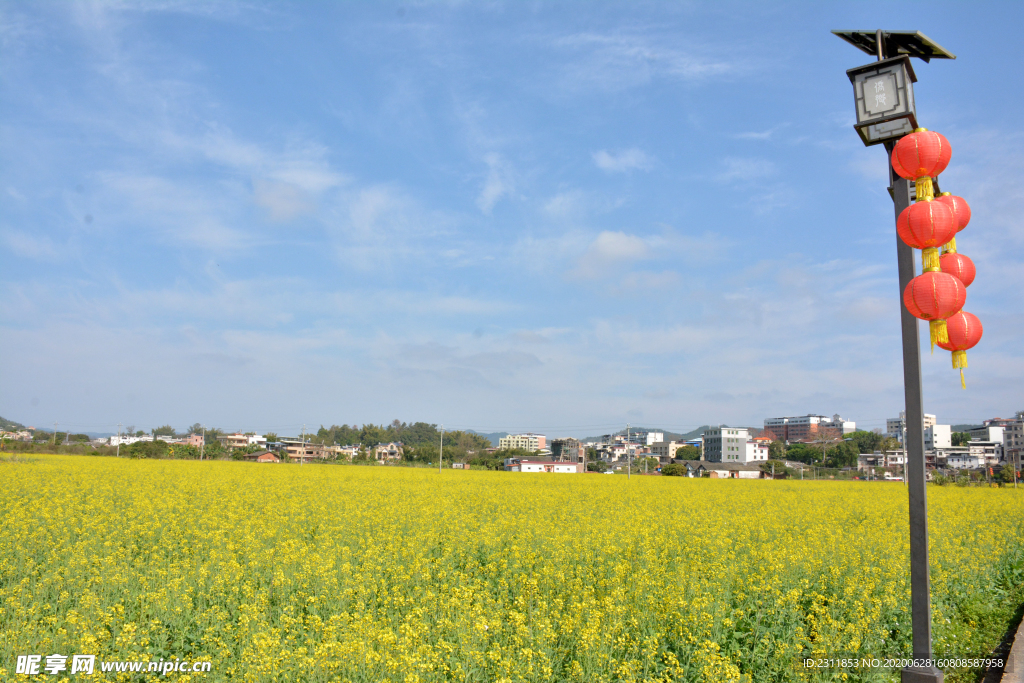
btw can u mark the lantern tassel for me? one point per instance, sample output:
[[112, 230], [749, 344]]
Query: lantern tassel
[[938, 333], [924, 189], [950, 246], [960, 361], [930, 259]]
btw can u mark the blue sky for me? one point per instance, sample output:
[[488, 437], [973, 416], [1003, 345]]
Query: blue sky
[[557, 217]]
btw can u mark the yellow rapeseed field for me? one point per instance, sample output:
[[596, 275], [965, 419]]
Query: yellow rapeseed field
[[343, 573]]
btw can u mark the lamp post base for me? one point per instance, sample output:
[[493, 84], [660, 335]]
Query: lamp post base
[[921, 674]]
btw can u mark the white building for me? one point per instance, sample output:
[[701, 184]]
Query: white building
[[964, 461], [990, 452], [841, 425], [538, 465], [937, 436], [726, 444], [888, 459], [125, 440], [526, 442], [987, 433], [654, 437], [894, 425]]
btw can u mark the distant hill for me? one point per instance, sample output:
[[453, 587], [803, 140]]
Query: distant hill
[[669, 436], [10, 425], [493, 437]]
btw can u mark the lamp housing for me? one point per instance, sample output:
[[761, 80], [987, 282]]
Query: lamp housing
[[883, 94]]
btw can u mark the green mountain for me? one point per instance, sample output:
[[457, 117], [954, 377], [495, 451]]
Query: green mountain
[[10, 425], [493, 437], [669, 436]]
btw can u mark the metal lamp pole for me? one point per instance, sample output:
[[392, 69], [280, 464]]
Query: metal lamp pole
[[885, 112]]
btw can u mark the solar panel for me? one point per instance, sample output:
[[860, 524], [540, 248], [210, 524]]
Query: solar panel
[[896, 43]]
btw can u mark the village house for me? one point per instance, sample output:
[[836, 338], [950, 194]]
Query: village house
[[542, 465], [387, 452], [262, 456], [728, 470]]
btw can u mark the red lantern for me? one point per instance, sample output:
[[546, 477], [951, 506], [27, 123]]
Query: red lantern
[[961, 215], [959, 266], [926, 225], [961, 209], [922, 153], [964, 331], [934, 296]]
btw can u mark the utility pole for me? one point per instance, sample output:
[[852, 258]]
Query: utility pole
[[440, 451], [118, 440], [629, 455], [55, 434], [202, 444], [302, 459]]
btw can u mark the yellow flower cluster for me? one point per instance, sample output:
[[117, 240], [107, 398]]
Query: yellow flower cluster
[[339, 573]]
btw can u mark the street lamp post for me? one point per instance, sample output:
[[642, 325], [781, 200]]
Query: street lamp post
[[884, 97]]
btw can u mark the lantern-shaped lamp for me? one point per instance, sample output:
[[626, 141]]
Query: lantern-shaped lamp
[[964, 331], [935, 296], [884, 98], [961, 213], [927, 225], [959, 266]]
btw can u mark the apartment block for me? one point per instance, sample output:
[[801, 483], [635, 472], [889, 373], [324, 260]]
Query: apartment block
[[937, 436], [894, 425], [527, 442], [804, 427], [727, 444]]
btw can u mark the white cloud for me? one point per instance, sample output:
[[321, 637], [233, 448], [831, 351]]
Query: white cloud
[[36, 247], [608, 249], [737, 169], [282, 201], [626, 160], [622, 60], [497, 185]]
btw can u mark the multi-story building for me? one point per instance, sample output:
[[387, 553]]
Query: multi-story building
[[937, 436], [526, 442], [1013, 439], [894, 426], [567, 450], [651, 438], [888, 459], [194, 440], [300, 450], [990, 451], [727, 444], [804, 427], [239, 440], [665, 450], [989, 432]]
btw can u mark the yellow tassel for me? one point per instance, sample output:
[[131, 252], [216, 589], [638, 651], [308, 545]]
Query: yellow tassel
[[930, 259], [960, 361], [950, 246], [938, 333], [924, 188]]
